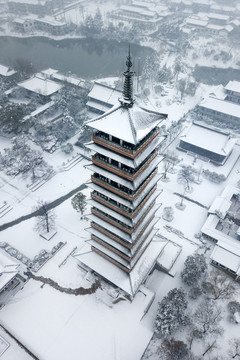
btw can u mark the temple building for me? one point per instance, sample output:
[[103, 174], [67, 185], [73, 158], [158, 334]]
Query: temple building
[[122, 248], [207, 143]]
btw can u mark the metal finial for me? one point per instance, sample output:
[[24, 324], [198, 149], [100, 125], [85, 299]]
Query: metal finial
[[129, 62], [128, 82]]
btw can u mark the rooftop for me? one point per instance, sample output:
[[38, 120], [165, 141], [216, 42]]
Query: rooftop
[[138, 10], [6, 71], [40, 85], [221, 106], [208, 138], [104, 93], [233, 86], [134, 125], [191, 21], [129, 283]]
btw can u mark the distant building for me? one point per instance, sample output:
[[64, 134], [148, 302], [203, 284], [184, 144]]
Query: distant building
[[233, 91], [41, 86], [226, 253], [6, 71], [206, 142], [138, 14], [51, 26], [220, 110], [102, 97], [46, 24]]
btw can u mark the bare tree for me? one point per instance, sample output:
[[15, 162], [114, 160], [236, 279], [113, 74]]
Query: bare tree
[[45, 220], [169, 161], [234, 350], [219, 285], [210, 347], [206, 319]]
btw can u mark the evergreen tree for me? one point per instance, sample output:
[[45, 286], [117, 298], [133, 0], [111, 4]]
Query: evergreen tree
[[98, 21], [171, 312], [79, 202], [195, 267]]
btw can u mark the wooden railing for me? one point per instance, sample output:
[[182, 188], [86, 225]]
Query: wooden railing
[[132, 153], [122, 172]]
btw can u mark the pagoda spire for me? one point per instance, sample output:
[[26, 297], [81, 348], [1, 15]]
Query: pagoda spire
[[128, 83]]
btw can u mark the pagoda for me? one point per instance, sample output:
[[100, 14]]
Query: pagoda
[[124, 166]]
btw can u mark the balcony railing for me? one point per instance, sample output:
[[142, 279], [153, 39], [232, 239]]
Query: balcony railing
[[119, 224], [122, 210], [113, 249], [101, 139], [130, 197], [110, 235], [122, 172]]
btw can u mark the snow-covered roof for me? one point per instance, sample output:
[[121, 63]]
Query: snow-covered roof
[[40, 85], [50, 20], [143, 4], [130, 124], [235, 22], [219, 93], [6, 71], [223, 8], [102, 108], [169, 255], [201, 2], [19, 21], [133, 163], [229, 28], [49, 71], [138, 10], [127, 282], [214, 16], [104, 93], [233, 86], [196, 22], [30, 2], [8, 270], [215, 27], [40, 109], [221, 106], [221, 204], [209, 139], [69, 79], [226, 258]]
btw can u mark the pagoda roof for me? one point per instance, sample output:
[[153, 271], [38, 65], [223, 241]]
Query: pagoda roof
[[127, 282], [128, 123]]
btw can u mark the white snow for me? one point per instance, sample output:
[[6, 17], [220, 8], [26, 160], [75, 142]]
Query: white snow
[[207, 138], [221, 106], [6, 71], [233, 86], [40, 86]]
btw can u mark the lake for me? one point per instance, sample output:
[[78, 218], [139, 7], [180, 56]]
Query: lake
[[87, 58]]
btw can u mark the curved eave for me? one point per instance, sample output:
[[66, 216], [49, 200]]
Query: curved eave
[[134, 125]]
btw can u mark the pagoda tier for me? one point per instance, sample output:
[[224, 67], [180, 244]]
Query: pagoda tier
[[124, 193]]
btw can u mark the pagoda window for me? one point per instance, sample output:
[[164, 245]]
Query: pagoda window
[[114, 162], [115, 140]]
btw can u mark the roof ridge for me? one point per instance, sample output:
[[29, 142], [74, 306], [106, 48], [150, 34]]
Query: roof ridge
[[132, 125], [112, 110]]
